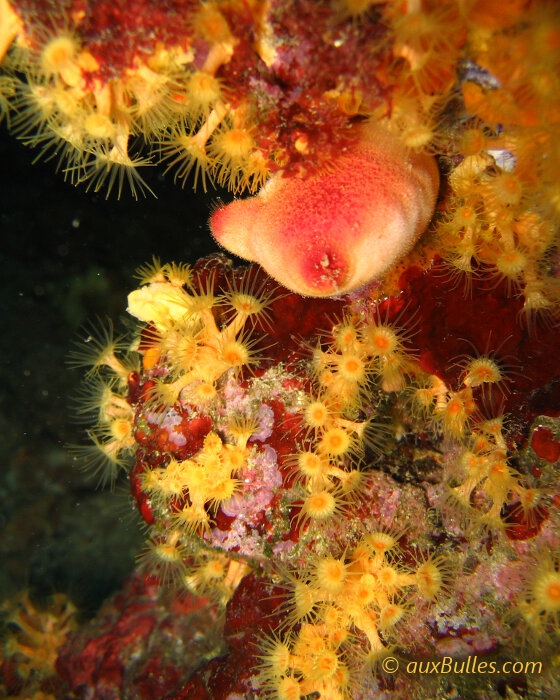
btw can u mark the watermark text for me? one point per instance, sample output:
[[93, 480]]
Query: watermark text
[[472, 665]]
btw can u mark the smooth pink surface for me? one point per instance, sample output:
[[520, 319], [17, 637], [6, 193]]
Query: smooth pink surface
[[337, 230]]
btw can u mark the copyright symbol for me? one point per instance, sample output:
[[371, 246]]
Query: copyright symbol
[[390, 664]]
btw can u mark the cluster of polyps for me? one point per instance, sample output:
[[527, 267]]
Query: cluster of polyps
[[339, 422], [77, 103], [277, 472], [363, 594], [482, 480], [502, 219]]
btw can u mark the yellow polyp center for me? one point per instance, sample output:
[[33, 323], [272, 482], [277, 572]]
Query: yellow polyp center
[[212, 443], [345, 336], [236, 459], [236, 143], [325, 665], [167, 552], [547, 591], [387, 576], [455, 408], [335, 442], [499, 473], [213, 570], [246, 303], [309, 463], [533, 233], [121, 429], [418, 136], [212, 462], [429, 579], [206, 390], [363, 594], [381, 543], [326, 378], [279, 657], [313, 641], [390, 615], [205, 87], [331, 574], [486, 374], [553, 593], [381, 342], [481, 371], [426, 577], [529, 498], [320, 505], [58, 54], [235, 354], [316, 414], [508, 189], [511, 263], [466, 215], [193, 515], [303, 599], [493, 427], [224, 490], [352, 368], [342, 676], [338, 637]]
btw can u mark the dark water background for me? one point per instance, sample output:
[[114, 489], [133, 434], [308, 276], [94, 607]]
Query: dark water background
[[66, 256]]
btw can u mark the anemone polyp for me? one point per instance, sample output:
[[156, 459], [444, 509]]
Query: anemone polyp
[[58, 54], [331, 574], [335, 442], [320, 506], [482, 370], [336, 230], [547, 591], [485, 370], [541, 603], [351, 367], [316, 414]]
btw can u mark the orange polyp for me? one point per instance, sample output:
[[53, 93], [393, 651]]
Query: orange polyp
[[553, 593], [234, 354], [381, 340], [351, 368], [511, 264], [381, 343], [331, 574], [335, 442], [506, 189], [482, 370], [456, 413], [325, 665], [319, 506], [544, 591]]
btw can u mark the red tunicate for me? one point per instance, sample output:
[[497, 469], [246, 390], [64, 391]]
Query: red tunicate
[[545, 444]]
